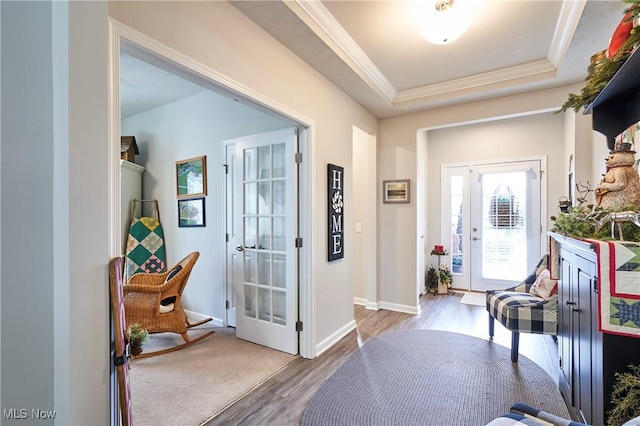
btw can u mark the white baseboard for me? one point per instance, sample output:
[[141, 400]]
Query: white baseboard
[[385, 305], [335, 337], [197, 316], [415, 310]]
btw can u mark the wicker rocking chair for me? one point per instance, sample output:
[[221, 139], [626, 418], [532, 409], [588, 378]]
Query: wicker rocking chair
[[154, 301]]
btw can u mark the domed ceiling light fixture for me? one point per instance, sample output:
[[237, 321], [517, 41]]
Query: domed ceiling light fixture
[[447, 20]]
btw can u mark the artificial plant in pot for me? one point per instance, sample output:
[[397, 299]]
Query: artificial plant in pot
[[446, 279], [137, 337], [431, 280]]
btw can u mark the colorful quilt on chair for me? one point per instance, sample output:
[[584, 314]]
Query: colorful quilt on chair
[[145, 247], [619, 287]]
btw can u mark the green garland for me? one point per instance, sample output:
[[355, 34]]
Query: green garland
[[625, 396], [579, 222], [608, 68]]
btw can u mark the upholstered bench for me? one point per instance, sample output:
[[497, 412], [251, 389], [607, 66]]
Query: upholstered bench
[[530, 307], [523, 414]]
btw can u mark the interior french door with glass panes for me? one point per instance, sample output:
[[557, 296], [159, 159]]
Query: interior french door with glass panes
[[265, 275], [492, 222]]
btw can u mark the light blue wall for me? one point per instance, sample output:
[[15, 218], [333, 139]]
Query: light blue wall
[[185, 129], [55, 220], [27, 210]]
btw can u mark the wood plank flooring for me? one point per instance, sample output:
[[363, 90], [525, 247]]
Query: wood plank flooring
[[283, 398]]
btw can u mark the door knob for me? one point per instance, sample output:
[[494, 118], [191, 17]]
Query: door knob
[[240, 248]]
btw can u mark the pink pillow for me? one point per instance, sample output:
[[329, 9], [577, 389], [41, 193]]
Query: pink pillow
[[544, 286]]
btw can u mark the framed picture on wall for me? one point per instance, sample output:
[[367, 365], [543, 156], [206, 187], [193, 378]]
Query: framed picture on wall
[[191, 212], [396, 191], [191, 177]]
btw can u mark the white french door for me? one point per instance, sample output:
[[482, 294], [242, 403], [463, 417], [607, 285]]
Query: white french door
[[265, 212], [492, 220]]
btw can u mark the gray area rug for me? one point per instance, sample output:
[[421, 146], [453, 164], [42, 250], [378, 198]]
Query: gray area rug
[[429, 377]]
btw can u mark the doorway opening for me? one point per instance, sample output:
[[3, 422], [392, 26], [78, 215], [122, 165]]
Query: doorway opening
[[124, 38]]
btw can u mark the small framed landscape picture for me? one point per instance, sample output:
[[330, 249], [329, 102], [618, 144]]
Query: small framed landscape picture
[[191, 177], [396, 191], [191, 212]]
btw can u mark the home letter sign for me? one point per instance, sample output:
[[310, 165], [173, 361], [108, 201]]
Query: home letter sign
[[335, 175]]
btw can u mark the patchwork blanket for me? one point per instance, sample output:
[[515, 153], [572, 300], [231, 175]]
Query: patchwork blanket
[[145, 247], [618, 286]]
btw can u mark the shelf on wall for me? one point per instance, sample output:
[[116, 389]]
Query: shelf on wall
[[617, 106]]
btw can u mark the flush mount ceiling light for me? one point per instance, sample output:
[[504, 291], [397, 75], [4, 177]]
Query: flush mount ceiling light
[[446, 20]]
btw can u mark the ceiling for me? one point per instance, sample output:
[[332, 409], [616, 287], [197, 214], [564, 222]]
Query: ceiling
[[373, 51]]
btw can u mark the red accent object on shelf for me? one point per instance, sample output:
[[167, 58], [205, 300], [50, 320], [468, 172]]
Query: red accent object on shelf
[[620, 35]]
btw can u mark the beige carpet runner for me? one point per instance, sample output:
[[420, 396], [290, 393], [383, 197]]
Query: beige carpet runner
[[192, 385]]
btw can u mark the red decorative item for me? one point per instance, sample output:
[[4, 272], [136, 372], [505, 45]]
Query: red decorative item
[[620, 35]]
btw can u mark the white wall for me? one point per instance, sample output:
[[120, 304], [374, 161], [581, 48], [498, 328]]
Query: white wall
[[184, 129], [599, 153], [365, 193]]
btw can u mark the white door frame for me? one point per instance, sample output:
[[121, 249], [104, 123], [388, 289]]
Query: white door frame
[[120, 34], [229, 293]]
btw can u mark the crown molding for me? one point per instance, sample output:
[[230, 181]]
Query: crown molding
[[566, 26], [345, 47], [533, 71]]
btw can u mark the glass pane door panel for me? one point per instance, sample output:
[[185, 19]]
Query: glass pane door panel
[[249, 267], [456, 224], [279, 234], [249, 164], [250, 232], [278, 160], [264, 268], [264, 226], [250, 205], [278, 197], [279, 307], [264, 304], [264, 203], [279, 270], [264, 162], [249, 301], [504, 226]]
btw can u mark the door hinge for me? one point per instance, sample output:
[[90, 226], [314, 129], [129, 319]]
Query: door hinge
[[298, 242], [560, 362], [298, 325], [226, 169], [226, 304], [298, 157], [226, 236], [595, 285]]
